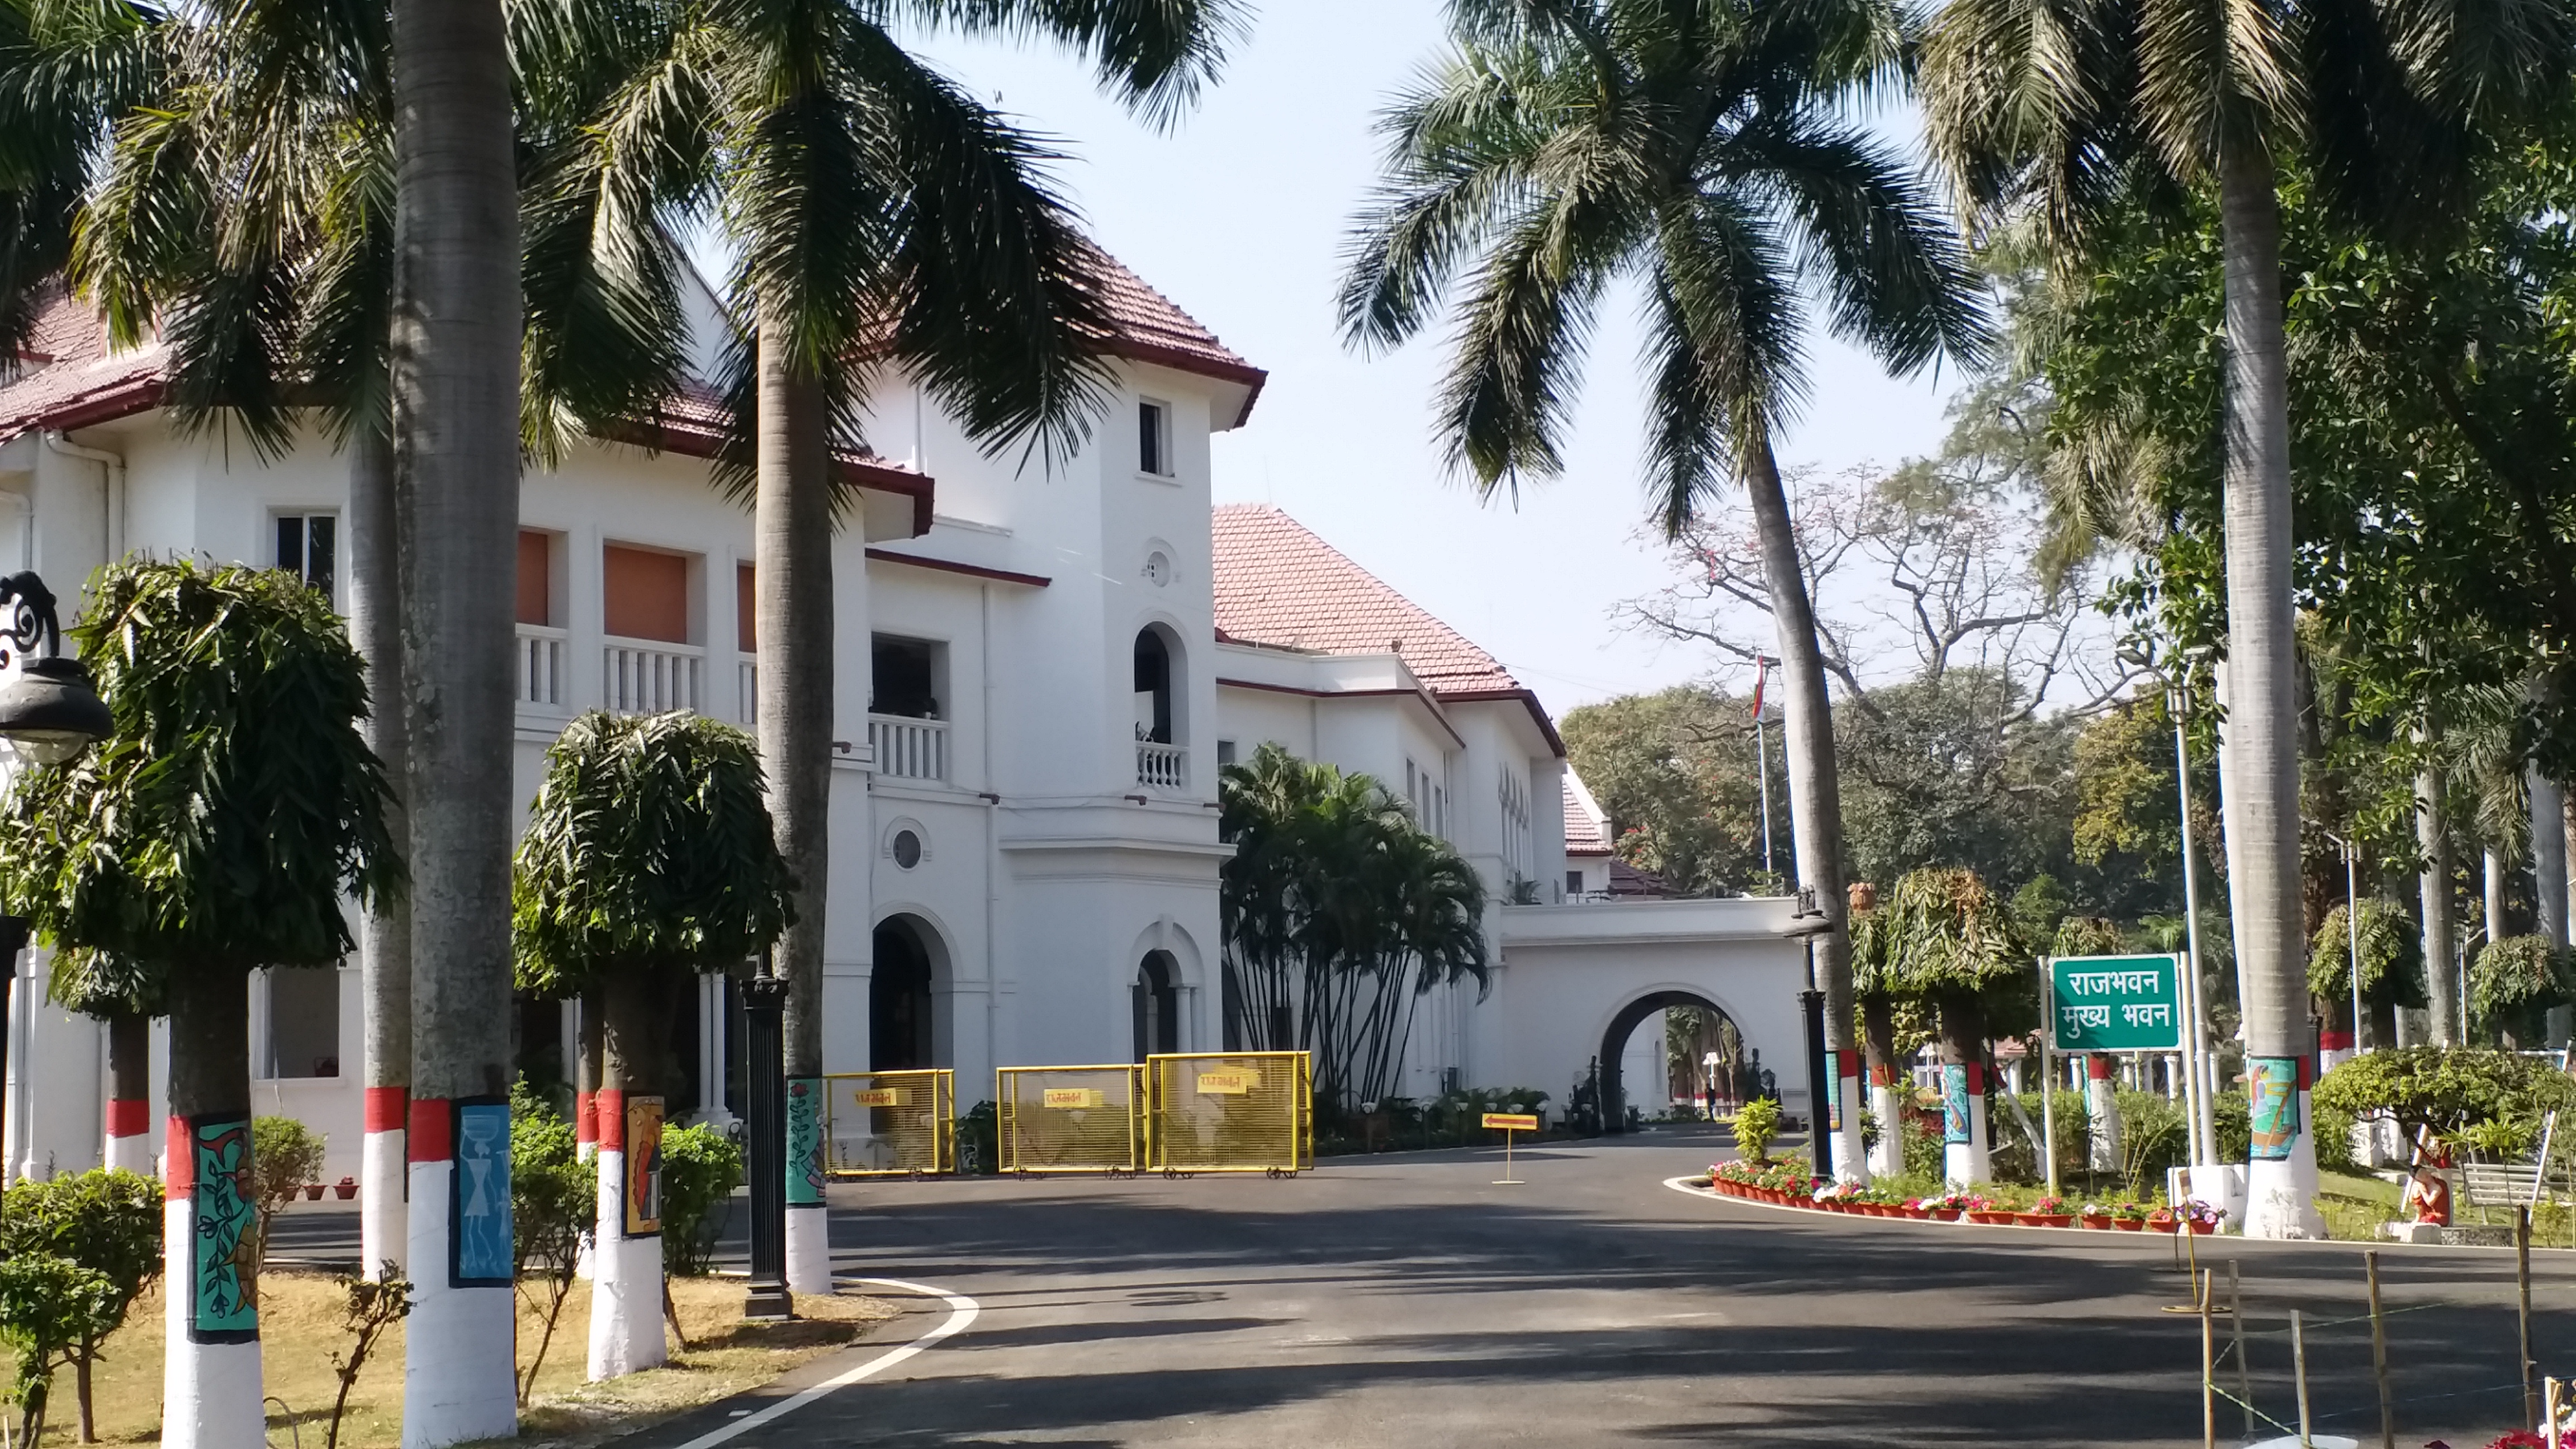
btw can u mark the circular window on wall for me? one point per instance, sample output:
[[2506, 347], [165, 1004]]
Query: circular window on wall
[[907, 849], [1158, 568]]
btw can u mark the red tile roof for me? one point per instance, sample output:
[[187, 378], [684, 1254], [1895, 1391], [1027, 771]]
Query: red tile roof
[[66, 378], [1584, 831], [1277, 583], [1149, 328]]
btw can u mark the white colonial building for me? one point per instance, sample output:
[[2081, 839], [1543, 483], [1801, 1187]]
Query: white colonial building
[[1039, 674]]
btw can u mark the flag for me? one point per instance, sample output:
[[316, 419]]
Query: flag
[[1761, 673]]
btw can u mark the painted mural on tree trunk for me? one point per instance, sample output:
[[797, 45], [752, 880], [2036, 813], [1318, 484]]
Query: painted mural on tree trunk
[[479, 1238], [2272, 1094], [1954, 1103], [643, 1167], [223, 1235], [805, 1142]]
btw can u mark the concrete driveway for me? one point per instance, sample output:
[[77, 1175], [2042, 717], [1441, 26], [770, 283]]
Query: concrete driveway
[[1410, 1301]]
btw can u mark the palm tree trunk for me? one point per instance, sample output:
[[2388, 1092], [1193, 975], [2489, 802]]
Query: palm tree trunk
[[384, 930], [2548, 859], [2433, 838], [626, 1272], [1963, 1091], [1815, 788], [129, 1092], [2261, 798], [210, 1381], [455, 349], [792, 531]]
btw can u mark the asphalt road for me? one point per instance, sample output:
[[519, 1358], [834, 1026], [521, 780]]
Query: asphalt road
[[1408, 1300]]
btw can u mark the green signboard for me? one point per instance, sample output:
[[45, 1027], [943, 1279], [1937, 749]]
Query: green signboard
[[2114, 1004]]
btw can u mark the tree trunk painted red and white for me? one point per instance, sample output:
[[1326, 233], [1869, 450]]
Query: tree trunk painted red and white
[[211, 1396], [585, 1114], [384, 929], [1878, 1034], [626, 1252], [2102, 1110], [455, 337], [128, 1123]]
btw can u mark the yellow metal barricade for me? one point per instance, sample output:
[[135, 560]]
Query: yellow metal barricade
[[1231, 1112], [890, 1124], [1070, 1119]]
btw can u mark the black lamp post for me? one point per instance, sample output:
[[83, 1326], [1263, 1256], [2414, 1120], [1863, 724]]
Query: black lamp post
[[48, 715], [1806, 922], [764, 1093]]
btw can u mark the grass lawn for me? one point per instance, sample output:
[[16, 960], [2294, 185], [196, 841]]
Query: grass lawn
[[2354, 1204], [301, 1330]]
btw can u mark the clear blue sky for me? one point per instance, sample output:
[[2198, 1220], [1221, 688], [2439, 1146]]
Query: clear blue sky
[[1238, 213]]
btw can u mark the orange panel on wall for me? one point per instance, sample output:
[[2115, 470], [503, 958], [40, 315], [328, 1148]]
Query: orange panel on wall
[[536, 577], [646, 594], [746, 621]]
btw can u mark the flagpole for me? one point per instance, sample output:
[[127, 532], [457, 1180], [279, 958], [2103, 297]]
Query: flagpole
[[1762, 750]]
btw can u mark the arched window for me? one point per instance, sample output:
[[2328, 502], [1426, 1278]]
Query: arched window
[[1153, 688], [1158, 1005], [899, 1001]]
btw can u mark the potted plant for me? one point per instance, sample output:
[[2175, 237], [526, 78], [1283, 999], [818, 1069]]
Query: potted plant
[[2129, 1217], [1946, 1207], [312, 1192], [2162, 1220], [2095, 1216], [1913, 1207], [345, 1189], [2202, 1218], [2048, 1212], [1987, 1211]]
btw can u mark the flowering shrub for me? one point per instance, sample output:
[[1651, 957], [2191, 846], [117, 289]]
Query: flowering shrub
[[1953, 1201], [2130, 1212], [2049, 1206], [2194, 1211], [2097, 1210]]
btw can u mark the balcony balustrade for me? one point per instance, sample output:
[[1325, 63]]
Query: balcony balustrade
[[909, 749], [541, 666], [637, 677], [1162, 767]]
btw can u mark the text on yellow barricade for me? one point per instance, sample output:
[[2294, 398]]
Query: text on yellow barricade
[[1231, 1082], [1074, 1098], [877, 1097]]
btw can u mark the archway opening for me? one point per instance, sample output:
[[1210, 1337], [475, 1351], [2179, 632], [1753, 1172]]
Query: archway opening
[[899, 1000], [1157, 998], [1154, 719], [1684, 1054]]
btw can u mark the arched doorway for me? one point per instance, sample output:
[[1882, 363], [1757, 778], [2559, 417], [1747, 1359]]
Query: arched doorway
[[899, 1000], [1153, 688], [1157, 996], [1614, 1047]]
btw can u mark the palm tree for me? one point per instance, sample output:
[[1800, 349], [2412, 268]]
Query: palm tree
[[647, 858], [1704, 150], [2065, 111], [216, 831], [1338, 915], [248, 212], [882, 218]]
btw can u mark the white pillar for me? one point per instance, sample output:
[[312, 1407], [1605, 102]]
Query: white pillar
[[2102, 1105]]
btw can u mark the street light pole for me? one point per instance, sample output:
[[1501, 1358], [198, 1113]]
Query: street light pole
[[764, 1090], [49, 714], [2204, 1053]]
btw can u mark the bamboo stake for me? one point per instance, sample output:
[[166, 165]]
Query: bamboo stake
[[2299, 1370], [2208, 1375], [2236, 1332], [2549, 1429], [2379, 1354], [2522, 1280]]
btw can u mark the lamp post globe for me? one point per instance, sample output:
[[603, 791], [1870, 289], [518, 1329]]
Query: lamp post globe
[[50, 714]]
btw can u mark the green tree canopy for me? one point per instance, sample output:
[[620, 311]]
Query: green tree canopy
[[234, 808], [2445, 1089], [648, 849], [2392, 957]]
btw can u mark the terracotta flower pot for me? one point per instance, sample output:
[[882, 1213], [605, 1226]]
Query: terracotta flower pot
[[2162, 1225], [2203, 1227], [312, 1192], [1942, 1215], [2097, 1221], [1990, 1217], [344, 1189], [2051, 1220], [2029, 1220], [2129, 1225], [1918, 1214]]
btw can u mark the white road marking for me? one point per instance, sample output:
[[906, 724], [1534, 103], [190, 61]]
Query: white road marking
[[961, 1312]]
